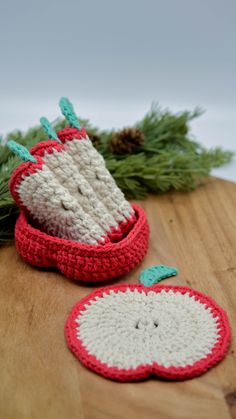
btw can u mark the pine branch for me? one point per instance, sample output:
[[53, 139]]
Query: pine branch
[[169, 159]]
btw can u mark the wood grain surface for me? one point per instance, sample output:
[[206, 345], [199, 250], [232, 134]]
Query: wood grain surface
[[41, 379]]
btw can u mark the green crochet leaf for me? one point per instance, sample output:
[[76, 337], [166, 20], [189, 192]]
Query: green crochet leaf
[[48, 128], [20, 151], [169, 159], [155, 274], [69, 113]]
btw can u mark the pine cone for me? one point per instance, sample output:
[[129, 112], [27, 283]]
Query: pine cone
[[126, 141], [94, 138]]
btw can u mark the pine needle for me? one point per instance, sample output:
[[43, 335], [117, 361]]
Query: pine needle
[[169, 159]]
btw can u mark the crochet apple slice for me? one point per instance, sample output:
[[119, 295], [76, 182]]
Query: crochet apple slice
[[62, 165], [129, 332], [36, 189], [92, 166]]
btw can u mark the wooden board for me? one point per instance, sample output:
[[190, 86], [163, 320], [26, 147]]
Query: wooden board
[[41, 379]]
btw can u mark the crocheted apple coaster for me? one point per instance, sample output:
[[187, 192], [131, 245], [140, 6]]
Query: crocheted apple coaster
[[73, 215], [65, 189], [129, 332]]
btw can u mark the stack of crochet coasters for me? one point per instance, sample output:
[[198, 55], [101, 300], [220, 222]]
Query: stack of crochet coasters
[[65, 192], [130, 332]]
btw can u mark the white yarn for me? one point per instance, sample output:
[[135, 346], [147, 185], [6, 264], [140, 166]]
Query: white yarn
[[92, 166], [68, 175], [129, 329], [52, 205], [74, 196]]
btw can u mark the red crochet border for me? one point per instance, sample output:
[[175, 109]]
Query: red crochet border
[[23, 170], [144, 371], [28, 168], [49, 146], [38, 150], [80, 261], [69, 133]]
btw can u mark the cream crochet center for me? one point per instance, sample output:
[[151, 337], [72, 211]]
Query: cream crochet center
[[129, 329], [92, 167], [74, 196]]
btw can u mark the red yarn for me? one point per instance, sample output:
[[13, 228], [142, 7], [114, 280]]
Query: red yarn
[[69, 133], [49, 146], [144, 371], [28, 168], [80, 261], [23, 170], [77, 261]]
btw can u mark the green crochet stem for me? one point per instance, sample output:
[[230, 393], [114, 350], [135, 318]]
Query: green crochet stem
[[49, 129], [156, 273], [20, 151], [69, 113]]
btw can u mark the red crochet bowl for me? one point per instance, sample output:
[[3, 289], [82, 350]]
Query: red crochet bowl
[[80, 261]]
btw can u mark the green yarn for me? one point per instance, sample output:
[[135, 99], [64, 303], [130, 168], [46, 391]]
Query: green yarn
[[155, 274], [49, 129], [169, 159], [20, 151], [69, 113]]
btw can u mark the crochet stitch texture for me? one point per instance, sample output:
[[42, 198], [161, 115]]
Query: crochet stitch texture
[[91, 165], [155, 274], [73, 215], [129, 332], [80, 261], [71, 194]]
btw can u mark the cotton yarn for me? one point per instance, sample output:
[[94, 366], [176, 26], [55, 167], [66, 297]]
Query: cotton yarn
[[83, 262], [73, 215], [129, 332], [156, 273], [70, 194], [91, 165]]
